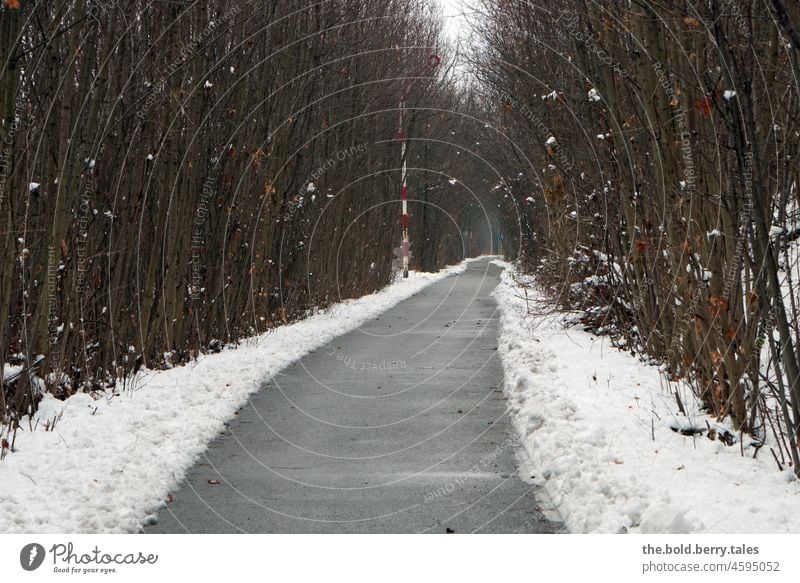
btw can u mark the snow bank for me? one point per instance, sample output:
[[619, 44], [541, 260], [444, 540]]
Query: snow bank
[[108, 464], [598, 424]]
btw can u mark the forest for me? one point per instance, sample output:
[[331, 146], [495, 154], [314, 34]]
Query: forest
[[178, 176], [658, 142]]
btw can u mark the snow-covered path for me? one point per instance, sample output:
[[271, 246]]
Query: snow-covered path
[[399, 426], [106, 465], [387, 414]]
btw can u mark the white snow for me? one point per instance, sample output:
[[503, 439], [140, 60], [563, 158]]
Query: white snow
[[729, 94], [594, 95], [11, 371], [550, 141], [109, 463], [596, 424], [33, 186], [776, 231]]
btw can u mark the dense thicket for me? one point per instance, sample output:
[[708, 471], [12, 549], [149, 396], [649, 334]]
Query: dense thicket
[[658, 143], [178, 175]]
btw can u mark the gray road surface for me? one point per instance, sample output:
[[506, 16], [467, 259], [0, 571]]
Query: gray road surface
[[399, 426]]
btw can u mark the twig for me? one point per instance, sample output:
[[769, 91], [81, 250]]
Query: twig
[[780, 467], [680, 404], [31, 479]]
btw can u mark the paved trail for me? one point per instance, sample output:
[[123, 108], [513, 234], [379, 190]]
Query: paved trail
[[400, 426]]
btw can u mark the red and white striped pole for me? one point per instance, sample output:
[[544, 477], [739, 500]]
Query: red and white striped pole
[[433, 62], [404, 244]]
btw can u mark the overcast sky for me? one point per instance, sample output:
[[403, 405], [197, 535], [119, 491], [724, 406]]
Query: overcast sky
[[453, 10]]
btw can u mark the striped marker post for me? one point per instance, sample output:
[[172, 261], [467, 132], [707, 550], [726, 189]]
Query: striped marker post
[[433, 62]]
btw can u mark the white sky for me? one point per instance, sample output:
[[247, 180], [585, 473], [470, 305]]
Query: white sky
[[453, 10]]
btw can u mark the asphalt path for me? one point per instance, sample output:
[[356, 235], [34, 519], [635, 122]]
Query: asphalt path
[[399, 426]]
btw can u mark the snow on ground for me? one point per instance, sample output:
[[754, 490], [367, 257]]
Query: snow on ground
[[596, 424], [108, 464]]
